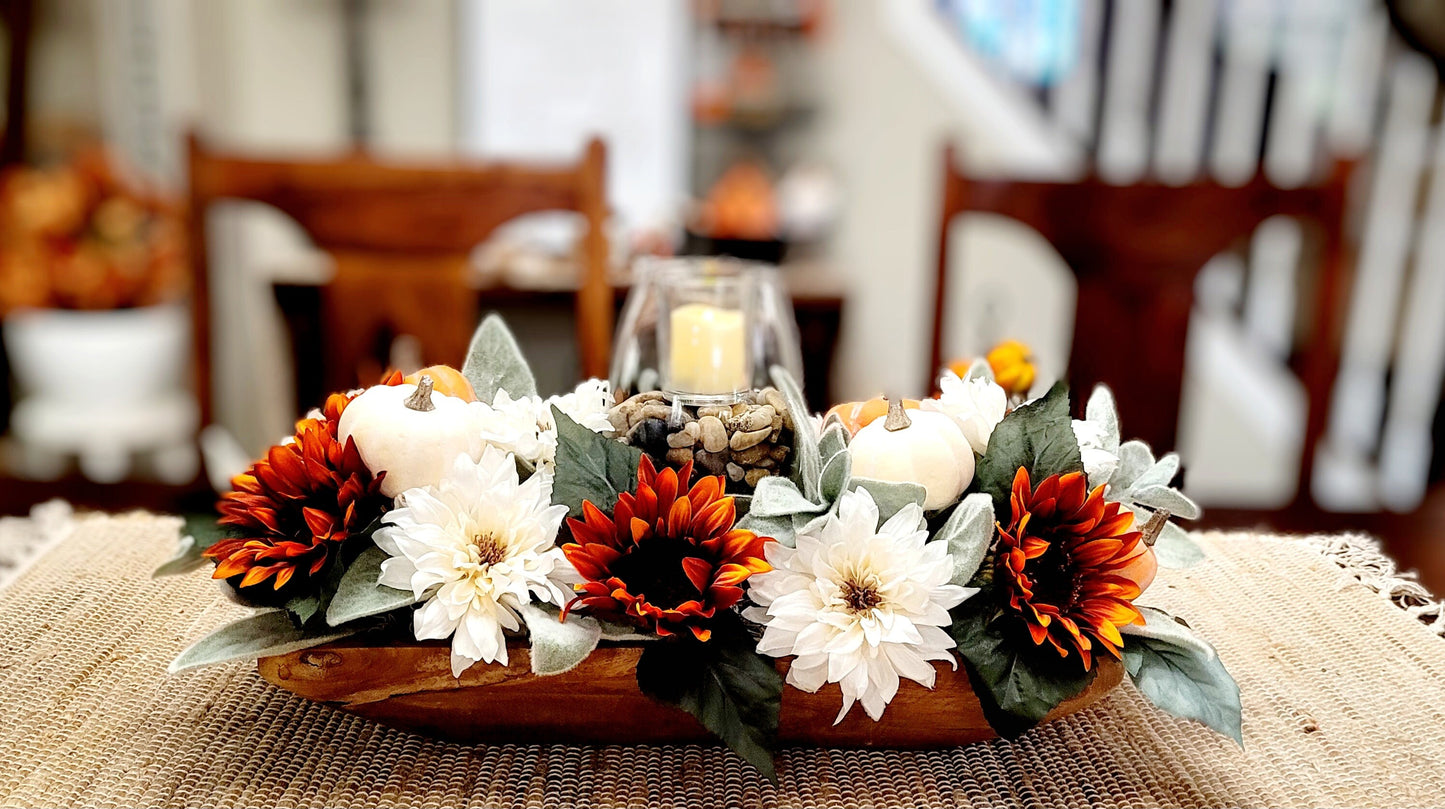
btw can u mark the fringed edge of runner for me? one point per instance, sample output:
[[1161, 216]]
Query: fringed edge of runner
[[1362, 557]]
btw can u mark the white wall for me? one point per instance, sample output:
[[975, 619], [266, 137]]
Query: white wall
[[270, 76], [884, 128]]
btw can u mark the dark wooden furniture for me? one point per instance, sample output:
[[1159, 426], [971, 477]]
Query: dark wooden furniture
[[409, 685], [1135, 251], [18, 19], [400, 236]]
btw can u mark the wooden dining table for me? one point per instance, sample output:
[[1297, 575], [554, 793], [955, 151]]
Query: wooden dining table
[[1340, 661]]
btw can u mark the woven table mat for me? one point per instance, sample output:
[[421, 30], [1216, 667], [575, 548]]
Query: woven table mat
[[1344, 705]]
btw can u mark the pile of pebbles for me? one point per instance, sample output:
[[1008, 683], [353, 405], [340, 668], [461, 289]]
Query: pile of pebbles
[[746, 441]]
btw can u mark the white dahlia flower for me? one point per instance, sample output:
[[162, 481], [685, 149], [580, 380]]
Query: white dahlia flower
[[473, 549], [976, 404], [524, 426], [858, 604]]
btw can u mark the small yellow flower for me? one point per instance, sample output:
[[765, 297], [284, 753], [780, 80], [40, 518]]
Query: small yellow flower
[[1013, 367]]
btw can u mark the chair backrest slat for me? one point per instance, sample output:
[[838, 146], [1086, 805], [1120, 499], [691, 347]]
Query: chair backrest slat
[[401, 236]]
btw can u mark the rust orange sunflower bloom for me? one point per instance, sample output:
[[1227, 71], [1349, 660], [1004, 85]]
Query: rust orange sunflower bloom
[[1066, 563], [294, 507], [668, 557]]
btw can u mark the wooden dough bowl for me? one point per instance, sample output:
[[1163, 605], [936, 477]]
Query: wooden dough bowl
[[411, 687]]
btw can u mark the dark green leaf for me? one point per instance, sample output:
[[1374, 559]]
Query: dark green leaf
[[199, 533], [1038, 436], [359, 596], [1181, 674], [590, 466], [1017, 684], [494, 362], [731, 689], [261, 635]]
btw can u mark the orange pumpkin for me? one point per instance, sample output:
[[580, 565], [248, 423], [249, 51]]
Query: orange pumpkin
[[857, 415], [1141, 565], [445, 380]]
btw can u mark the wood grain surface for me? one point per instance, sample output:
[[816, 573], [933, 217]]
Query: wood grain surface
[[411, 687]]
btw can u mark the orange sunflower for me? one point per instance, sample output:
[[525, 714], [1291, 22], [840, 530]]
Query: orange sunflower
[[668, 558], [294, 507], [1069, 565]]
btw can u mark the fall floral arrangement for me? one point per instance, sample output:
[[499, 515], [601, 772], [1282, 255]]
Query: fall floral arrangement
[[974, 528], [76, 236]]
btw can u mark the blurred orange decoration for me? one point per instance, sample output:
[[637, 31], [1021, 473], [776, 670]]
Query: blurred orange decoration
[[741, 205], [1012, 363], [77, 237]]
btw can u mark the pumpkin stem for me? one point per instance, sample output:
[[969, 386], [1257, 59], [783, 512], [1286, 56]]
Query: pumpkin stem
[[897, 418], [420, 399], [1153, 527]]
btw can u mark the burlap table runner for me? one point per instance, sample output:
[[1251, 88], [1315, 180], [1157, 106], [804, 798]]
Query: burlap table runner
[[1344, 705]]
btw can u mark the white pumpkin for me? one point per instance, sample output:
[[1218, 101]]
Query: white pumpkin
[[411, 433], [917, 446]]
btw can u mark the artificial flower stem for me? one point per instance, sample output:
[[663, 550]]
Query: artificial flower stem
[[420, 399]]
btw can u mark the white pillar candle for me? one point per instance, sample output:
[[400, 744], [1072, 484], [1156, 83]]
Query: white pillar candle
[[708, 352]]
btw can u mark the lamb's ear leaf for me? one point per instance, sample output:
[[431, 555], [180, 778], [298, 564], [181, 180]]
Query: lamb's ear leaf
[[780, 528], [807, 459], [262, 635], [837, 474], [359, 596], [1160, 497], [199, 532], [889, 496], [833, 440], [779, 497], [968, 532], [1135, 458], [495, 362], [1160, 474], [557, 645], [1102, 411], [1181, 673], [1175, 548], [979, 369]]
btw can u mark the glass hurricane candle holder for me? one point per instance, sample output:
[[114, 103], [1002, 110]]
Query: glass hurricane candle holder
[[704, 330]]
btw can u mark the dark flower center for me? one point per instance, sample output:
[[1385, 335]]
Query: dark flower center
[[1053, 577], [860, 598], [652, 570], [489, 550]]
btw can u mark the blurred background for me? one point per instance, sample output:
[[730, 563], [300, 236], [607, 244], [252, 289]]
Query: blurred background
[[214, 211]]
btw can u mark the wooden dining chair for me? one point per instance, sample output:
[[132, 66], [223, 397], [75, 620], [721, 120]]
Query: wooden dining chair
[[401, 236], [1135, 251]]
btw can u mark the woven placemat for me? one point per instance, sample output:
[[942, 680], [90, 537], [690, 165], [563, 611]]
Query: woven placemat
[[1344, 705]]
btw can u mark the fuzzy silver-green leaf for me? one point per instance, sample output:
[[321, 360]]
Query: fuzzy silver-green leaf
[[557, 645], [262, 635], [495, 362], [359, 596], [968, 532]]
